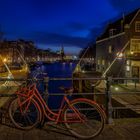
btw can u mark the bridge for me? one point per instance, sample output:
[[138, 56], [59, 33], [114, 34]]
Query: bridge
[[118, 125]]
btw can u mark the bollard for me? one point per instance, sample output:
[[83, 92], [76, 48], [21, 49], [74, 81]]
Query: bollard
[[109, 108]]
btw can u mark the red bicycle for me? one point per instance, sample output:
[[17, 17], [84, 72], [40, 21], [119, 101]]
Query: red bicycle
[[84, 118]]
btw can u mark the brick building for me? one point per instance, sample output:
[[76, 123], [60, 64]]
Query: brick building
[[120, 42], [16, 51], [22, 51]]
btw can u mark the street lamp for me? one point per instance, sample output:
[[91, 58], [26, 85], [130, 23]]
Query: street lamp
[[5, 60], [116, 88], [119, 55]]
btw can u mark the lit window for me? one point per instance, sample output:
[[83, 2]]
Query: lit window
[[127, 68], [110, 49], [103, 62], [131, 52], [98, 62], [135, 46], [128, 62], [137, 26]]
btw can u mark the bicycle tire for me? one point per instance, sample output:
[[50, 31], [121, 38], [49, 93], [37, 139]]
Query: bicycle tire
[[18, 119], [96, 123]]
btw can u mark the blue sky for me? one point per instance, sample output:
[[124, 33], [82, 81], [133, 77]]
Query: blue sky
[[51, 23]]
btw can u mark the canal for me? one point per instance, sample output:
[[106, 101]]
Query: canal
[[55, 70]]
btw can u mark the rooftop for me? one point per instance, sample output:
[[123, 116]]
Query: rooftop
[[118, 26]]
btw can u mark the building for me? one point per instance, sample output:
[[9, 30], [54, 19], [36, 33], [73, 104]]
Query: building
[[21, 51], [118, 48], [17, 51], [8, 51], [87, 58], [47, 55], [62, 53]]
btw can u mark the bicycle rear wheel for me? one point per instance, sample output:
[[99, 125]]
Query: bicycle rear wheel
[[91, 120], [27, 118]]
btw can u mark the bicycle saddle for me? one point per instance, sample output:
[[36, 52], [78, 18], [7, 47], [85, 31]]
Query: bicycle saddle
[[67, 89]]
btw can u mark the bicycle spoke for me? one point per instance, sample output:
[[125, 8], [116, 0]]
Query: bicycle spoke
[[90, 122], [26, 119]]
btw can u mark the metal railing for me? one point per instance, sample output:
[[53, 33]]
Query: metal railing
[[106, 92]]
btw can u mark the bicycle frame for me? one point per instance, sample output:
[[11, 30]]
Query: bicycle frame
[[33, 94]]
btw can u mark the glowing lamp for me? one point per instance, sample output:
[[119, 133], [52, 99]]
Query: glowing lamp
[[119, 55], [4, 60], [131, 52]]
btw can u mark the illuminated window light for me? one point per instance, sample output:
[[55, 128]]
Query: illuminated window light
[[128, 62], [127, 68], [131, 52]]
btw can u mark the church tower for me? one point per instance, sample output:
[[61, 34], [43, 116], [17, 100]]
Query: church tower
[[62, 53]]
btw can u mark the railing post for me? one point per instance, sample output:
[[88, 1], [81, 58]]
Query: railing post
[[93, 91], [109, 108], [126, 82], [46, 80], [135, 83]]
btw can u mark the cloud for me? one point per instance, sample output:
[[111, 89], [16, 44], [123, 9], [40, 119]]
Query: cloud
[[54, 38], [125, 5], [77, 26], [95, 32]]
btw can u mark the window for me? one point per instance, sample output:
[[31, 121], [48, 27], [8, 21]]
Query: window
[[98, 62], [110, 49], [112, 32], [137, 26], [127, 68], [128, 62], [103, 62], [135, 46]]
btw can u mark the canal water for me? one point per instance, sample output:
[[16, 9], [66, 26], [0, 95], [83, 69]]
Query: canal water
[[55, 70]]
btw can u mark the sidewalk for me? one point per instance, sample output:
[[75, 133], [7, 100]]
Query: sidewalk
[[131, 86], [123, 129], [127, 96]]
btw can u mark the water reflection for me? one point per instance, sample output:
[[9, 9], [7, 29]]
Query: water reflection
[[58, 70]]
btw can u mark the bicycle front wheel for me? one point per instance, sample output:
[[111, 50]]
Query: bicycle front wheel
[[24, 117], [84, 118]]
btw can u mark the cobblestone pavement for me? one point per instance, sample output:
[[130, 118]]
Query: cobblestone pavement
[[122, 129]]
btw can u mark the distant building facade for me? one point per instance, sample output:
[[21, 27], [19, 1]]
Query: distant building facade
[[21, 50], [120, 41], [87, 58], [16, 51]]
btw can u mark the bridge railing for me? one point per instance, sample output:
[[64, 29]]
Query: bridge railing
[[108, 92]]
